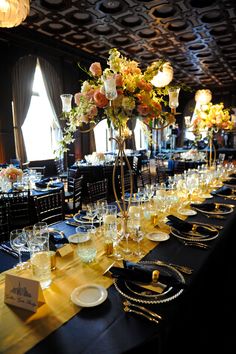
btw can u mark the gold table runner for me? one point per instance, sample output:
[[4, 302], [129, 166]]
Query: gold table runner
[[20, 330]]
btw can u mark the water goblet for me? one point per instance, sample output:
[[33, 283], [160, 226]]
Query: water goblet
[[41, 234], [17, 242]]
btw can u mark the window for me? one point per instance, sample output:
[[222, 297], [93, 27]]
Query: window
[[140, 133], [102, 135], [41, 130]]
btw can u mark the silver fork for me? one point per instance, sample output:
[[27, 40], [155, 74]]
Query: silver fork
[[150, 318], [142, 308]]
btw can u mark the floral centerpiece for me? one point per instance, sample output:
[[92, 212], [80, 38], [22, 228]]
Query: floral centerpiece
[[119, 93], [12, 174], [212, 118]]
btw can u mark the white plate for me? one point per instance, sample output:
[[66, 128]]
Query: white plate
[[89, 295], [78, 238], [158, 236], [206, 196], [187, 212]]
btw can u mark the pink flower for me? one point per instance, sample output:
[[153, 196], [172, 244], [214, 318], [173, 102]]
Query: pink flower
[[77, 97], [100, 99], [96, 69]]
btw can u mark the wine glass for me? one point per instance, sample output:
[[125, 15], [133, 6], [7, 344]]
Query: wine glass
[[41, 235], [17, 242], [138, 236]]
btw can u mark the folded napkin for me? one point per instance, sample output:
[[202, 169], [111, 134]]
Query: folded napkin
[[55, 243], [211, 207], [204, 206], [223, 191], [231, 181], [184, 226], [232, 175], [139, 273], [43, 184]]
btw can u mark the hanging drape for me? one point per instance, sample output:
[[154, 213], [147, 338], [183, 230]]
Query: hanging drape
[[53, 85], [84, 142], [130, 142], [22, 83]]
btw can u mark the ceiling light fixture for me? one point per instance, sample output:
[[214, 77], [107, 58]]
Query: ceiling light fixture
[[13, 12], [164, 76], [203, 96]]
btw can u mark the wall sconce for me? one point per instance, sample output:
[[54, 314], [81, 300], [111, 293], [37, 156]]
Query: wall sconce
[[13, 12], [164, 76], [173, 98], [66, 99]]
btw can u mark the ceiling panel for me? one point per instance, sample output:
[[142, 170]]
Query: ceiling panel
[[197, 36]]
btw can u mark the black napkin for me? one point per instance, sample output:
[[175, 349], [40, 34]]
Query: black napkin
[[231, 181], [211, 207], [204, 206], [55, 243], [139, 273], [43, 184], [184, 226], [232, 175], [223, 191]]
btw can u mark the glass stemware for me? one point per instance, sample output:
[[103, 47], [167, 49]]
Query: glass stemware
[[41, 234], [138, 236], [17, 242]]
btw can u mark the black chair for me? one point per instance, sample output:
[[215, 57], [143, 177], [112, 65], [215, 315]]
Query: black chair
[[71, 207], [19, 209], [128, 176], [50, 207], [4, 222], [146, 177], [97, 190], [61, 173], [161, 171]]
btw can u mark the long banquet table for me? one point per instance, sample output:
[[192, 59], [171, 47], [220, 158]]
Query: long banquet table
[[198, 321]]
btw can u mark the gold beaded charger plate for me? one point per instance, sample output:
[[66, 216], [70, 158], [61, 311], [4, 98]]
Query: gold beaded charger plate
[[220, 209], [197, 235], [135, 292]]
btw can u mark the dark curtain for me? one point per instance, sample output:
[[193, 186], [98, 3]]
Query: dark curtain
[[22, 83], [53, 85], [130, 142], [84, 142]]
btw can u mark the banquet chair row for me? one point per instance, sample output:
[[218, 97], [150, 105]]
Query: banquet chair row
[[73, 198]]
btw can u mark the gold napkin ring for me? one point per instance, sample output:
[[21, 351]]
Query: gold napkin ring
[[155, 276]]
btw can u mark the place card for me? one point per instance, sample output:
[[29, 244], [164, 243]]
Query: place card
[[23, 292], [65, 250]]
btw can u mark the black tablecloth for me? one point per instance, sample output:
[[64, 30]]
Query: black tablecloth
[[198, 321]]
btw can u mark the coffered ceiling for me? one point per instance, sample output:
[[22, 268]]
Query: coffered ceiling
[[197, 36]]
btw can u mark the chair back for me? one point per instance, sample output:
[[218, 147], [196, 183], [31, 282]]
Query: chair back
[[97, 190], [146, 177], [128, 176], [161, 171], [4, 222], [19, 209], [50, 207]]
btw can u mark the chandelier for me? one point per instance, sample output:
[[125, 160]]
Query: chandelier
[[13, 12]]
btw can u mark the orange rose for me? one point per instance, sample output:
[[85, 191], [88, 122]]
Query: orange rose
[[96, 69], [100, 99]]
